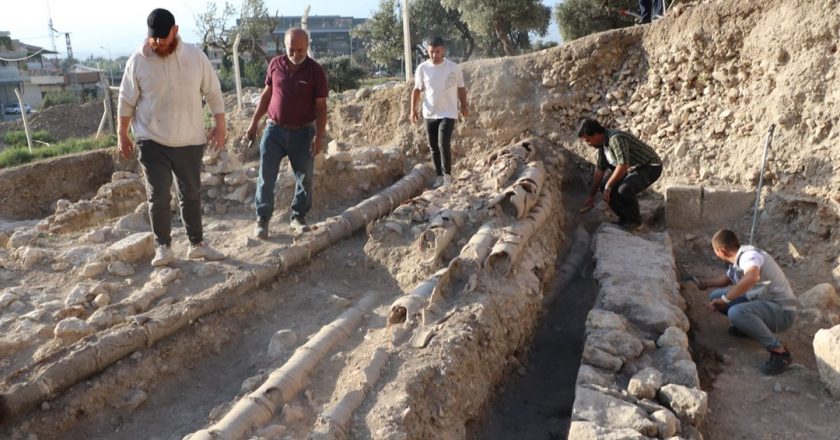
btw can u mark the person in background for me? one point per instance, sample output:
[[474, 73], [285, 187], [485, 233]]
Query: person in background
[[441, 85], [295, 98], [650, 9]]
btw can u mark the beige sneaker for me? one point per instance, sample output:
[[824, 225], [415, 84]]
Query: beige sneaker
[[204, 251], [438, 182], [447, 180], [298, 224], [163, 256]]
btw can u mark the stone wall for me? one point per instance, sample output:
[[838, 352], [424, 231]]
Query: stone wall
[[637, 379]]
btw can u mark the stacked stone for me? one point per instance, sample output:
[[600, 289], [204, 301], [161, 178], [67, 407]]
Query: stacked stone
[[637, 379], [120, 196]]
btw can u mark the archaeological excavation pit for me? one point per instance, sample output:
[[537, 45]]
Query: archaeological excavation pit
[[488, 309]]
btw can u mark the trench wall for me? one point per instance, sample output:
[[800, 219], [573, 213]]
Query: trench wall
[[29, 191]]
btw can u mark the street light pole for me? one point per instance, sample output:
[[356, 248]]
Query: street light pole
[[110, 65]]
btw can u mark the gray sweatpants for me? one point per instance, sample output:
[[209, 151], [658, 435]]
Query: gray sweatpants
[[758, 318], [159, 164]]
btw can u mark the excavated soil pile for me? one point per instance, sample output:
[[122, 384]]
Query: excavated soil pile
[[62, 121]]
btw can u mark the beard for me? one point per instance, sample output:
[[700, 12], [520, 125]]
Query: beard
[[164, 52]]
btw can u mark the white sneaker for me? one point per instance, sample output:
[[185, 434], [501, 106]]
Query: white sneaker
[[204, 251], [438, 182], [447, 180], [298, 224], [163, 256]]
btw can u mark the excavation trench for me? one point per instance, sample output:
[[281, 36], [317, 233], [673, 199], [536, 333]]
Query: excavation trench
[[535, 400]]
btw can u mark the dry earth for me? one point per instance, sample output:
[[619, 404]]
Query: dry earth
[[702, 85]]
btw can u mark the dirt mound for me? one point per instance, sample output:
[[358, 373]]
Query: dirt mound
[[63, 121]]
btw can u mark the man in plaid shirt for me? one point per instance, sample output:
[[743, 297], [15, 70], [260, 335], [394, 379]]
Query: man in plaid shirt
[[634, 166]]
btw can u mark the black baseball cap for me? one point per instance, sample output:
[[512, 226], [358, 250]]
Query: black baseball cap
[[160, 22]]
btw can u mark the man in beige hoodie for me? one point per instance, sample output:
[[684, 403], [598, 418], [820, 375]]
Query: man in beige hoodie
[[161, 99]]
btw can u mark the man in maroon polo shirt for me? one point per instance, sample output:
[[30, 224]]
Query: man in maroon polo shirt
[[295, 97]]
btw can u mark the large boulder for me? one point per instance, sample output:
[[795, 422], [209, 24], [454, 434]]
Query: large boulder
[[827, 351], [687, 403], [610, 412]]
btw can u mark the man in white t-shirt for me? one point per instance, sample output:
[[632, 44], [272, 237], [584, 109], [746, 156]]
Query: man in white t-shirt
[[756, 296], [441, 85]]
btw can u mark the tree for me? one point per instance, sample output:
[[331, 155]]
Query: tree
[[431, 18], [254, 25], [213, 25], [578, 18], [504, 19], [382, 35]]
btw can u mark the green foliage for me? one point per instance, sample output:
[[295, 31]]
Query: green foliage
[[382, 35], [17, 138], [20, 155], [578, 18], [253, 74], [430, 18], [54, 98], [509, 21], [341, 74]]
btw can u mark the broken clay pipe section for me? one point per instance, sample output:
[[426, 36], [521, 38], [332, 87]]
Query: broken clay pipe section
[[519, 198], [507, 161], [507, 250], [440, 233], [257, 408]]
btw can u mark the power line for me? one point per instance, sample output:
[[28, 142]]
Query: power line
[[24, 58]]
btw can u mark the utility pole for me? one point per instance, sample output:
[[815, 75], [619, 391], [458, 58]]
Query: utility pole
[[110, 65], [406, 41]]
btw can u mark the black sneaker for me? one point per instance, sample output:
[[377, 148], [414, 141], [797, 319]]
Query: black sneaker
[[735, 331], [261, 230], [777, 363]]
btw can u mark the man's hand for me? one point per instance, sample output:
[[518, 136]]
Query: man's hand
[[317, 145], [414, 118], [251, 133], [588, 205], [465, 112], [606, 195], [216, 138], [126, 146], [715, 305]]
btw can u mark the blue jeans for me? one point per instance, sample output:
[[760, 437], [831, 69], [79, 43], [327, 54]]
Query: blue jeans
[[757, 318], [276, 143], [650, 8]]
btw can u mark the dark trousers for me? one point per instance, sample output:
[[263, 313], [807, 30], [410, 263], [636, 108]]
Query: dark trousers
[[650, 8], [278, 142], [440, 138], [159, 164], [623, 199]]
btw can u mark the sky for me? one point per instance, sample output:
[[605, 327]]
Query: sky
[[98, 27]]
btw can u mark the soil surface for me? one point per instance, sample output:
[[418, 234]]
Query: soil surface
[[704, 99]]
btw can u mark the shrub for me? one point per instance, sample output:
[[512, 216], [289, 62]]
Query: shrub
[[341, 74], [578, 18], [20, 155], [17, 138], [53, 98]]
